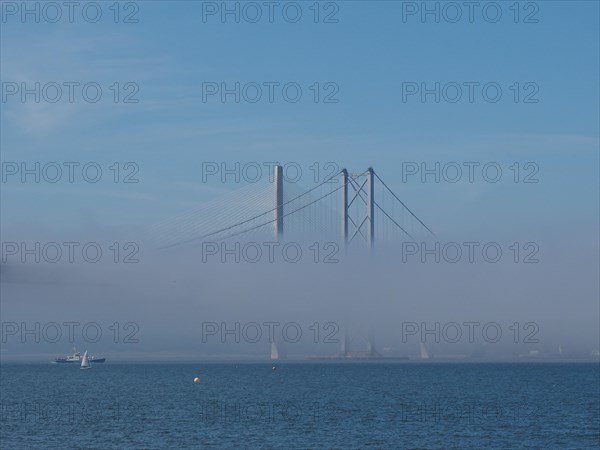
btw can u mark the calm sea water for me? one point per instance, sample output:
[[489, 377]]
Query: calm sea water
[[319, 405]]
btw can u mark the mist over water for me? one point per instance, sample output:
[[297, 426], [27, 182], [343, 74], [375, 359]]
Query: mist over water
[[171, 294]]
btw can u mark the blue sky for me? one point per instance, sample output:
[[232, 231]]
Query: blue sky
[[368, 54]]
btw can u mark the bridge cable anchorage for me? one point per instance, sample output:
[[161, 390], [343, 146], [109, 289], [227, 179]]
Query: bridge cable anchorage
[[285, 215], [260, 215], [407, 208]]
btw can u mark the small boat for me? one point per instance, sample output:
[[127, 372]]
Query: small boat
[[85, 364], [75, 357]]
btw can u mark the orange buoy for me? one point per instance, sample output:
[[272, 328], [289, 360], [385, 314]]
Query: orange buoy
[[197, 380]]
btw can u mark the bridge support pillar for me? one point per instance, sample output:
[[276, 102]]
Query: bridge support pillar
[[345, 205], [371, 205], [278, 202]]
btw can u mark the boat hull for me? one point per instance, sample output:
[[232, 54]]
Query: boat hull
[[65, 361]]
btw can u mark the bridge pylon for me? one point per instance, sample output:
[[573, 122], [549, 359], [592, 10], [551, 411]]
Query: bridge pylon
[[363, 190], [278, 201]]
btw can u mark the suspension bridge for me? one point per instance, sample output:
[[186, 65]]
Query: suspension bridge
[[348, 207]]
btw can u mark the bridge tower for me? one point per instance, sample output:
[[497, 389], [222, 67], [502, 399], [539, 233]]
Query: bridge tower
[[278, 202], [363, 190]]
